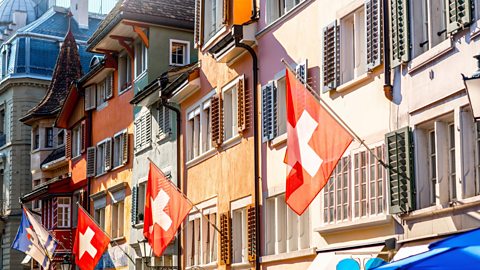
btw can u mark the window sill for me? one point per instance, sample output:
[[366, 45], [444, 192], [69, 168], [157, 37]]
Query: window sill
[[213, 265], [102, 106], [117, 239], [140, 76], [354, 82], [100, 175], [118, 167], [138, 226], [164, 137], [210, 153], [289, 255], [279, 140], [207, 45], [241, 265], [232, 142], [124, 90], [431, 55], [355, 224], [142, 148], [75, 158]]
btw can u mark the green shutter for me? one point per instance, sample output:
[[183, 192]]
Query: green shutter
[[373, 11], [401, 182], [331, 57], [459, 14], [134, 205], [399, 32], [269, 117]]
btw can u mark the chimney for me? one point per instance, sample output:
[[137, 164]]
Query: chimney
[[79, 9]]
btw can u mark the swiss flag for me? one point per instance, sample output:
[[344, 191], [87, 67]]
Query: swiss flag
[[90, 242], [316, 141], [165, 210]]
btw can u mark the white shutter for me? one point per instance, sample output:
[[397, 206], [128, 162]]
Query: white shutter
[[108, 154], [90, 97], [137, 133], [148, 130], [109, 86], [163, 122], [91, 155]]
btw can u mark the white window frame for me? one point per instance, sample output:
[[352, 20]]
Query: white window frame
[[141, 197], [99, 217], [77, 141], [432, 165], [186, 55], [100, 158], [238, 209], [61, 134], [117, 219], [124, 73], [140, 50], [230, 109], [276, 9], [212, 27], [64, 212], [117, 151]]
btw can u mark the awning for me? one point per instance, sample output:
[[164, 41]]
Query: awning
[[329, 260], [410, 249]]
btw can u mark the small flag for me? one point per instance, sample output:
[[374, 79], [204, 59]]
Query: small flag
[[34, 240], [165, 210], [316, 141], [90, 242]]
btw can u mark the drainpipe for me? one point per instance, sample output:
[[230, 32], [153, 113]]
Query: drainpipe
[[179, 185], [238, 35], [387, 87]]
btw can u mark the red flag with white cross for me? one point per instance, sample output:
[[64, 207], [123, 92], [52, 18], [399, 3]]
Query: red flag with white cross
[[165, 210], [316, 141], [90, 242]]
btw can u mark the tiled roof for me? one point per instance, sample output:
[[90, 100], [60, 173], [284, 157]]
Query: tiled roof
[[180, 11], [67, 70], [54, 155]]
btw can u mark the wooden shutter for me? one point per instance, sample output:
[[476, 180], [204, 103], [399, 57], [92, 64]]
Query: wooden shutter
[[163, 122], [108, 154], [68, 145], [217, 121], [225, 239], [251, 233], [331, 57], [83, 136], [373, 12], [226, 11], [124, 148], [400, 173], [269, 119], [90, 97], [242, 111], [301, 71], [91, 161], [198, 38], [134, 210], [459, 14], [399, 32], [109, 86]]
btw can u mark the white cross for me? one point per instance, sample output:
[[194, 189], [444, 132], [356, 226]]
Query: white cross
[[158, 211], [86, 243], [305, 128]]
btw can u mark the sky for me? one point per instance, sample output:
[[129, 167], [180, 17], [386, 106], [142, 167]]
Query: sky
[[95, 6]]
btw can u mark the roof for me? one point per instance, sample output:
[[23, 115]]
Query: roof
[[174, 13], [7, 7], [67, 69], [54, 155]]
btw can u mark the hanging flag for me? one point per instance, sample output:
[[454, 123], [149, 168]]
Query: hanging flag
[[316, 141], [90, 241], [34, 240], [165, 210]]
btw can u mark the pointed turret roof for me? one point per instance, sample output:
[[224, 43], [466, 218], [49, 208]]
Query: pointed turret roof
[[67, 69]]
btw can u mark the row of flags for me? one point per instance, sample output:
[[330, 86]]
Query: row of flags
[[316, 142]]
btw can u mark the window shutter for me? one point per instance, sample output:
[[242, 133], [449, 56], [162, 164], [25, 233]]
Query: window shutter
[[83, 138], [226, 11], [251, 233], [137, 133], [147, 138], [198, 22], [399, 32], [373, 10], [55, 212], [400, 171], [90, 98], [269, 119], [134, 205], [109, 86], [125, 148], [91, 161], [241, 106], [217, 121], [331, 57], [163, 122], [459, 14], [301, 71], [68, 145], [108, 154], [225, 239]]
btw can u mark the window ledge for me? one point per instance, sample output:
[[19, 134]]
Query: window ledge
[[100, 175], [118, 167], [124, 90], [140, 76], [289, 255], [102, 106], [438, 210], [207, 45], [431, 55], [232, 142], [117, 239], [213, 265], [355, 224], [75, 158], [279, 140], [241, 265], [138, 226], [210, 153], [164, 137], [354, 82]]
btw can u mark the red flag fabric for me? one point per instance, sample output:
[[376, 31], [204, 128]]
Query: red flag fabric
[[316, 141], [165, 210], [90, 242]]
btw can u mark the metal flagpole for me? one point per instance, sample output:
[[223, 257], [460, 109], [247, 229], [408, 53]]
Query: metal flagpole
[[186, 198], [111, 239]]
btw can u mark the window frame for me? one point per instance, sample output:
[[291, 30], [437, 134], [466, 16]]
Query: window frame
[[140, 68], [198, 256], [231, 90], [100, 159], [67, 207], [120, 136], [117, 219], [77, 141], [125, 73], [186, 56], [49, 137]]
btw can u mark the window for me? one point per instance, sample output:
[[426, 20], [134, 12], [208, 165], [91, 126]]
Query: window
[[76, 141], [117, 219], [353, 57], [36, 138], [278, 8], [281, 106], [432, 166], [230, 113], [239, 235], [285, 230], [99, 216], [140, 58], [336, 194], [202, 238], [213, 18], [61, 137], [428, 24], [451, 163], [103, 157], [199, 128], [179, 52], [120, 148], [49, 137], [143, 131], [124, 73], [105, 90], [91, 97], [142, 193], [63, 212]]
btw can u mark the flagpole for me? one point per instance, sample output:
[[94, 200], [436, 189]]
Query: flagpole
[[108, 235], [186, 198], [339, 119]]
